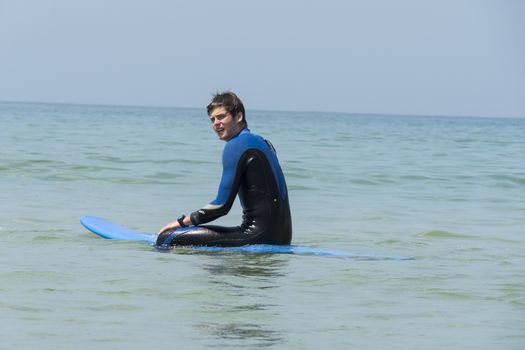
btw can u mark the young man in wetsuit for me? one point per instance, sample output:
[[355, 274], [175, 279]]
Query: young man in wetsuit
[[250, 170]]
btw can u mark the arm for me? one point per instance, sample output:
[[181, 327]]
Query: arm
[[229, 185], [232, 170]]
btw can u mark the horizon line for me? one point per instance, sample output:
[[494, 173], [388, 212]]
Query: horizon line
[[393, 114]]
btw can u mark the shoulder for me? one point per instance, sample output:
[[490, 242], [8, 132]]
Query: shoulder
[[234, 148], [241, 143], [244, 140]]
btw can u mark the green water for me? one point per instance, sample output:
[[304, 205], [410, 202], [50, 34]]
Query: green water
[[448, 191]]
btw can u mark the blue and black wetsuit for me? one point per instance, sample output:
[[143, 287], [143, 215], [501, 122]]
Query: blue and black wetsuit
[[250, 169]]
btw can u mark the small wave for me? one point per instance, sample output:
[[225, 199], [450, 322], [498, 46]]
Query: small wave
[[141, 181], [450, 294], [112, 307], [364, 182], [64, 177], [445, 235], [46, 238], [390, 241], [295, 175], [414, 177], [509, 179], [39, 166], [111, 159], [466, 140], [300, 188], [145, 180]]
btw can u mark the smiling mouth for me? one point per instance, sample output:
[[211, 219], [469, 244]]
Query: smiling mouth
[[219, 130]]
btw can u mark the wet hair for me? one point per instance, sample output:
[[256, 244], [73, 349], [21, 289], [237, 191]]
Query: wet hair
[[230, 102]]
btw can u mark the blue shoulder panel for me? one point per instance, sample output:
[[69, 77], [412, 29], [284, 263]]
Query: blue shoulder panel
[[233, 151]]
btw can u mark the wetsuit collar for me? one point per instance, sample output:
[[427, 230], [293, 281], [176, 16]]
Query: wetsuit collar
[[243, 131]]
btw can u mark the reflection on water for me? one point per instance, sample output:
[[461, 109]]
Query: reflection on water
[[263, 266], [255, 334], [245, 306]]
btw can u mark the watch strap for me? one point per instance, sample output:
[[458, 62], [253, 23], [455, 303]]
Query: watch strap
[[181, 221]]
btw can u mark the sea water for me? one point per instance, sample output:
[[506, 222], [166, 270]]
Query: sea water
[[449, 192]]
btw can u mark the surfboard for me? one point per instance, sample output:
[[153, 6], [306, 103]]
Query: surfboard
[[109, 230]]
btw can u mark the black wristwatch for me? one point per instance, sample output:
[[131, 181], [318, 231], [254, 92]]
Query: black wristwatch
[[181, 221]]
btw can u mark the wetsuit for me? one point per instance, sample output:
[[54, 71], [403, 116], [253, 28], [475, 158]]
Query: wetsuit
[[251, 170]]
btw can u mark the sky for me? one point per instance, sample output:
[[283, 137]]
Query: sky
[[418, 57]]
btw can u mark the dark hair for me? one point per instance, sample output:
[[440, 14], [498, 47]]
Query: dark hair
[[230, 101]]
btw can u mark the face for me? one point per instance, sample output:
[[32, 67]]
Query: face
[[224, 124]]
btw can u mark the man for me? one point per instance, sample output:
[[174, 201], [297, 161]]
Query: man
[[251, 170]]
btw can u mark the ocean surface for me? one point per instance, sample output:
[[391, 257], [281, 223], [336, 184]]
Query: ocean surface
[[448, 192]]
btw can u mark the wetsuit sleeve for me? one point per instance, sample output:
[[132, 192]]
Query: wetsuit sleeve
[[228, 188]]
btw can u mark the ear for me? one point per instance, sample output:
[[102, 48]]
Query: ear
[[240, 117]]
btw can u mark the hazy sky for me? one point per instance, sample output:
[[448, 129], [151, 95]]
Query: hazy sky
[[442, 57]]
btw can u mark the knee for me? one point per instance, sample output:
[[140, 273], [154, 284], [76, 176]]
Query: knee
[[165, 238]]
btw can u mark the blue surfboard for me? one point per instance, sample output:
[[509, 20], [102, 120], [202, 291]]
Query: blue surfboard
[[109, 230]]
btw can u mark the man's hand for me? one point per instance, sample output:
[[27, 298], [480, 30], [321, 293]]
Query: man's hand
[[171, 226]]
